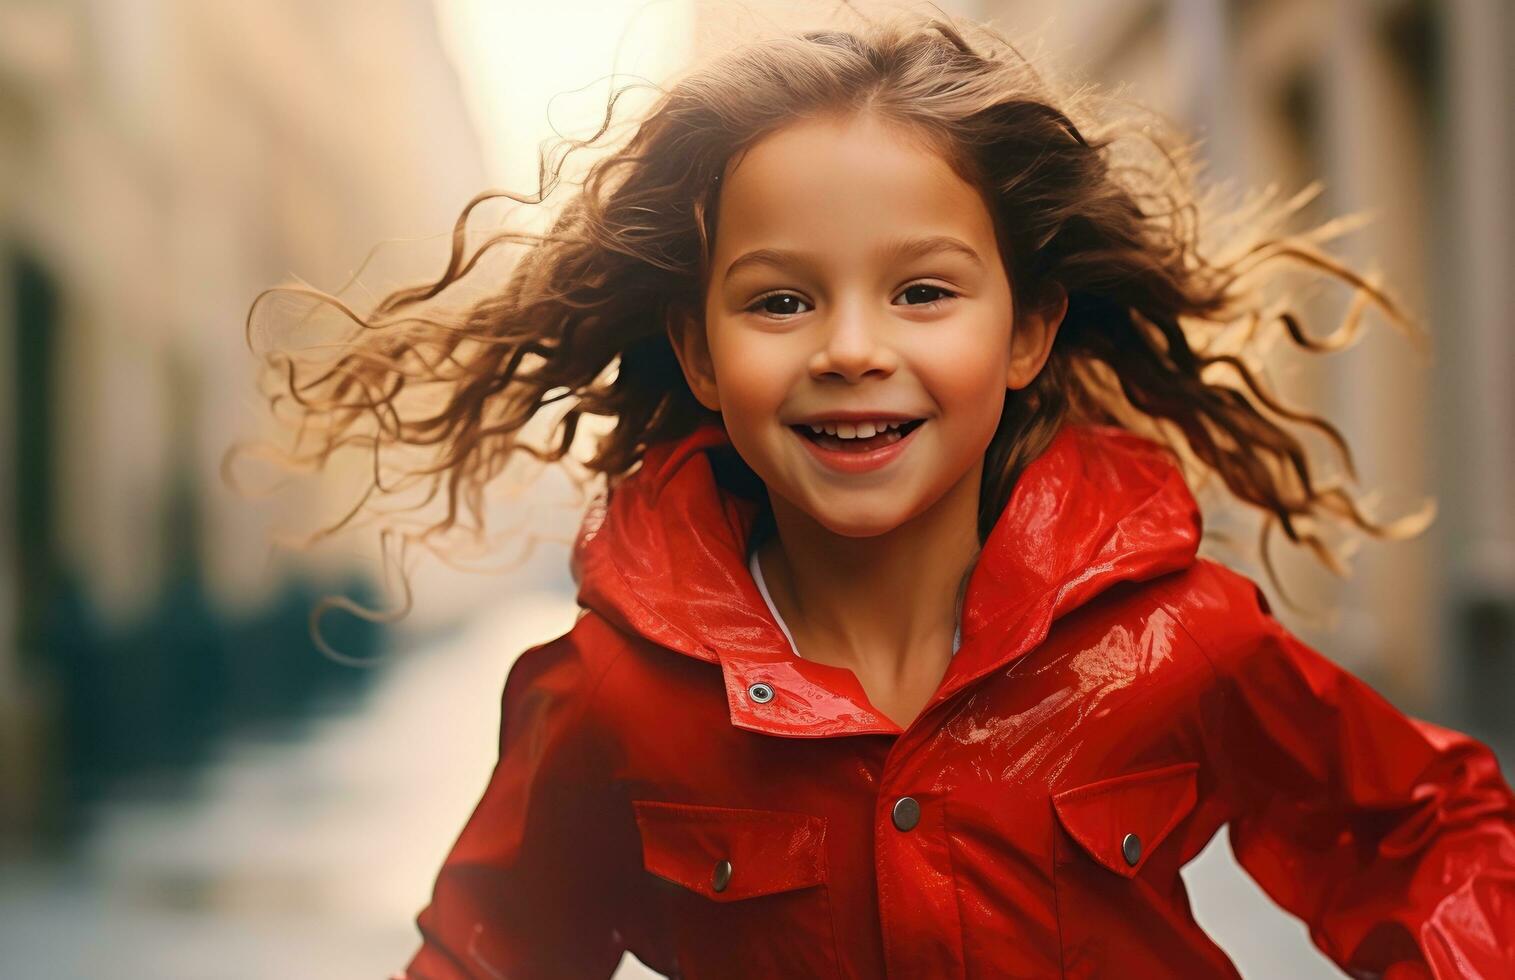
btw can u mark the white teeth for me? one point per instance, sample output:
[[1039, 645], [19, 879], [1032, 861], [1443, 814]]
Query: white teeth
[[854, 430]]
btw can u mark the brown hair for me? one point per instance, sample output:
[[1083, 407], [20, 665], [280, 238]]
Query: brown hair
[[1098, 202]]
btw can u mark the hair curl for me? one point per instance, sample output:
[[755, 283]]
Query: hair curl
[[1086, 197]]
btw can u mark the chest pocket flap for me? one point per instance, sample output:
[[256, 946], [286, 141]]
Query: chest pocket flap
[[726, 853], [1122, 820]]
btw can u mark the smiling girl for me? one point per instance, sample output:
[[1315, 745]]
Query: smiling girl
[[865, 394], [896, 656]]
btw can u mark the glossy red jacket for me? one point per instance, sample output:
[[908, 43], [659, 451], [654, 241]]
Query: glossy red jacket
[[1115, 701]]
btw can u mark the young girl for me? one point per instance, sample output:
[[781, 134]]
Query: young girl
[[896, 656]]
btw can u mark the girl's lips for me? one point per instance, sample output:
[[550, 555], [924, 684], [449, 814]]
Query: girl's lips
[[851, 461]]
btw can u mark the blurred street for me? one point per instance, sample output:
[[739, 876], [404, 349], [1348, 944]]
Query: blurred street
[[308, 855]]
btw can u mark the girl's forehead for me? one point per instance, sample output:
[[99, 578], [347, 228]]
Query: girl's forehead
[[844, 184], [861, 144]]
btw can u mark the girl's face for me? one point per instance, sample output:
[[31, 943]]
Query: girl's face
[[857, 277]]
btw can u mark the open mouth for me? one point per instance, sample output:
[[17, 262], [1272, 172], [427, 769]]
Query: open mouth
[[878, 440]]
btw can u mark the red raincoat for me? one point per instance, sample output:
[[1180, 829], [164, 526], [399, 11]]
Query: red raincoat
[[1114, 702]]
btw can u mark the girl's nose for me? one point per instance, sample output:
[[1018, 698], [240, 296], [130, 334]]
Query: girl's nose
[[852, 347]]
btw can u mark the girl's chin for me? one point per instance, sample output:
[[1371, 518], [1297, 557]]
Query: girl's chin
[[862, 532], [855, 519]]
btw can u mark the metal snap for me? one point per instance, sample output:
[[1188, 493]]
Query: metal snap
[[1131, 849], [760, 692], [722, 876], [907, 812]]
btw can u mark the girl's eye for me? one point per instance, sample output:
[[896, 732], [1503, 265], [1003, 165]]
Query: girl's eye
[[765, 303], [928, 288], [772, 298]]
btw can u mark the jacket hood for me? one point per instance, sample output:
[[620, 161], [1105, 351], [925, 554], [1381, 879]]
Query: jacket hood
[[663, 556]]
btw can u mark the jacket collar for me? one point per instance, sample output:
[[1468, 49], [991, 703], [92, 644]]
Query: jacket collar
[[663, 556]]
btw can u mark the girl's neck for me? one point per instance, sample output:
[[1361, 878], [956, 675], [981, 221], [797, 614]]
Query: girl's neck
[[874, 604]]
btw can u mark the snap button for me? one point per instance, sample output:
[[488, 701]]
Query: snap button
[[760, 692], [722, 876], [1131, 849], [907, 812]]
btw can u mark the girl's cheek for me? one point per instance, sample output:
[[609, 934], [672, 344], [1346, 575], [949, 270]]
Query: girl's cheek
[[762, 376], [963, 375]]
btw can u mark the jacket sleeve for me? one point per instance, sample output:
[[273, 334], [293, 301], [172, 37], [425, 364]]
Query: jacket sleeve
[[1392, 838], [533, 885]]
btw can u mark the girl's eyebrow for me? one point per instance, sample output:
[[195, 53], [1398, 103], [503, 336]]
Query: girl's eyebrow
[[899, 248]]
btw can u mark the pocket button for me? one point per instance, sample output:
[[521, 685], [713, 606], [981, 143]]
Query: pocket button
[[1131, 849], [722, 876]]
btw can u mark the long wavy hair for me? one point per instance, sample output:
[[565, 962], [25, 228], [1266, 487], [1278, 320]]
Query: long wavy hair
[[1090, 193]]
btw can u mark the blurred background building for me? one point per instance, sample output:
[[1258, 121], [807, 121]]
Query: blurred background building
[[188, 788]]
